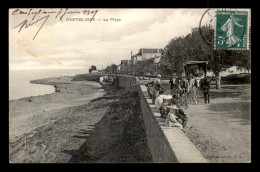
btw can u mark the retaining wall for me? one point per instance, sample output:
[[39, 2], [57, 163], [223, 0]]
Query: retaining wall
[[159, 146], [167, 144]]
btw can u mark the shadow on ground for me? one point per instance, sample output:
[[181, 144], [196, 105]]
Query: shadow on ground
[[239, 111]]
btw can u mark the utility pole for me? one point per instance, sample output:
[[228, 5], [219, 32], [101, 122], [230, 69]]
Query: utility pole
[[132, 64]]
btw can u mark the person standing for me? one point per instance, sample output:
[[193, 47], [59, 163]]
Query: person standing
[[174, 84], [205, 86], [184, 89], [193, 88], [157, 87]]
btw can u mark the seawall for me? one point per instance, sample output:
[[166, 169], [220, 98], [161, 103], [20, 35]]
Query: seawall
[[166, 144]]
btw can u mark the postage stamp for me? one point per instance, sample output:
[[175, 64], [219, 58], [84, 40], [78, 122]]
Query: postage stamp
[[231, 30]]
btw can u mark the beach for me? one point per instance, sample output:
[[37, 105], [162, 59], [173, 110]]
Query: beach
[[64, 126]]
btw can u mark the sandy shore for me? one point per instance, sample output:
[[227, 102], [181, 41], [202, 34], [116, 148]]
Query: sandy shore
[[42, 128], [65, 126]]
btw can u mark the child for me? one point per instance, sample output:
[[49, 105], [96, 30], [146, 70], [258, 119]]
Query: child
[[176, 114], [163, 109], [171, 119]]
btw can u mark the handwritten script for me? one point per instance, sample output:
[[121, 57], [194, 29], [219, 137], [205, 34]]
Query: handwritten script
[[41, 16]]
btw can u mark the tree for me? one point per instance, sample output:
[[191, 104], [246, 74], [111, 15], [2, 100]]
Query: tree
[[139, 68], [92, 67], [125, 69], [145, 66], [196, 46], [111, 69]]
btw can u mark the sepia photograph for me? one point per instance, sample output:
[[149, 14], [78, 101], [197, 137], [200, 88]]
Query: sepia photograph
[[129, 85]]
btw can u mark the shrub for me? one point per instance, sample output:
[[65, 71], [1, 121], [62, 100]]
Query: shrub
[[242, 78]]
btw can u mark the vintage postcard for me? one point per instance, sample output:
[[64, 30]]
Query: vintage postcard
[[94, 85]]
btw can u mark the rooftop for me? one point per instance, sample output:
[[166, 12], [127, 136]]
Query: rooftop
[[150, 50]]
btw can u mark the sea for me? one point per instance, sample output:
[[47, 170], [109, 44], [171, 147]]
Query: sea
[[20, 86]]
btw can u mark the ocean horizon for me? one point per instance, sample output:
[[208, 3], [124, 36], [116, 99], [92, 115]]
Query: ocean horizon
[[20, 86]]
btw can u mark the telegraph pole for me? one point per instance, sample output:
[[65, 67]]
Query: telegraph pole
[[132, 64]]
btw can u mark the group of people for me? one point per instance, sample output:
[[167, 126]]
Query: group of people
[[184, 87], [172, 112], [170, 105]]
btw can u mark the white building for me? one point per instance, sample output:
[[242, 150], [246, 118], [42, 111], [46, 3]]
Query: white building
[[147, 53]]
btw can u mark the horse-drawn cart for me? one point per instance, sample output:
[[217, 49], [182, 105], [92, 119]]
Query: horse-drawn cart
[[196, 68], [196, 72]]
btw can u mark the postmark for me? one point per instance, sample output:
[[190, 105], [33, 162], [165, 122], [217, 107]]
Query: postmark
[[231, 30], [208, 19]]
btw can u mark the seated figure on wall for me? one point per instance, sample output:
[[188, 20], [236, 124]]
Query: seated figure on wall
[[176, 116], [157, 88], [164, 110], [150, 89], [161, 102]]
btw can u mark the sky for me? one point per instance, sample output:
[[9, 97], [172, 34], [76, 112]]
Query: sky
[[80, 44]]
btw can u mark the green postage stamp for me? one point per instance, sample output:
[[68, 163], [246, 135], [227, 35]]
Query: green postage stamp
[[232, 30]]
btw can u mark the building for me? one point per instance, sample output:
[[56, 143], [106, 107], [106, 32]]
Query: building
[[125, 63], [147, 53]]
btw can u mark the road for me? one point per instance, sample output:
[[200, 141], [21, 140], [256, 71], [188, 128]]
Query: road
[[221, 130]]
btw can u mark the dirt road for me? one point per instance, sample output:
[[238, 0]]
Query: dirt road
[[221, 130]]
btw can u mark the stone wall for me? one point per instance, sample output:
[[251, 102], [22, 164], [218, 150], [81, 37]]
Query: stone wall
[[159, 146], [166, 144]]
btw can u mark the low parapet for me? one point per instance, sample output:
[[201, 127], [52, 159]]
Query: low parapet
[[167, 144]]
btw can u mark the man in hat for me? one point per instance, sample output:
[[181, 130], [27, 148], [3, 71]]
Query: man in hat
[[164, 109], [171, 119], [183, 91], [157, 88], [179, 114], [205, 86], [194, 88], [150, 89], [174, 84]]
